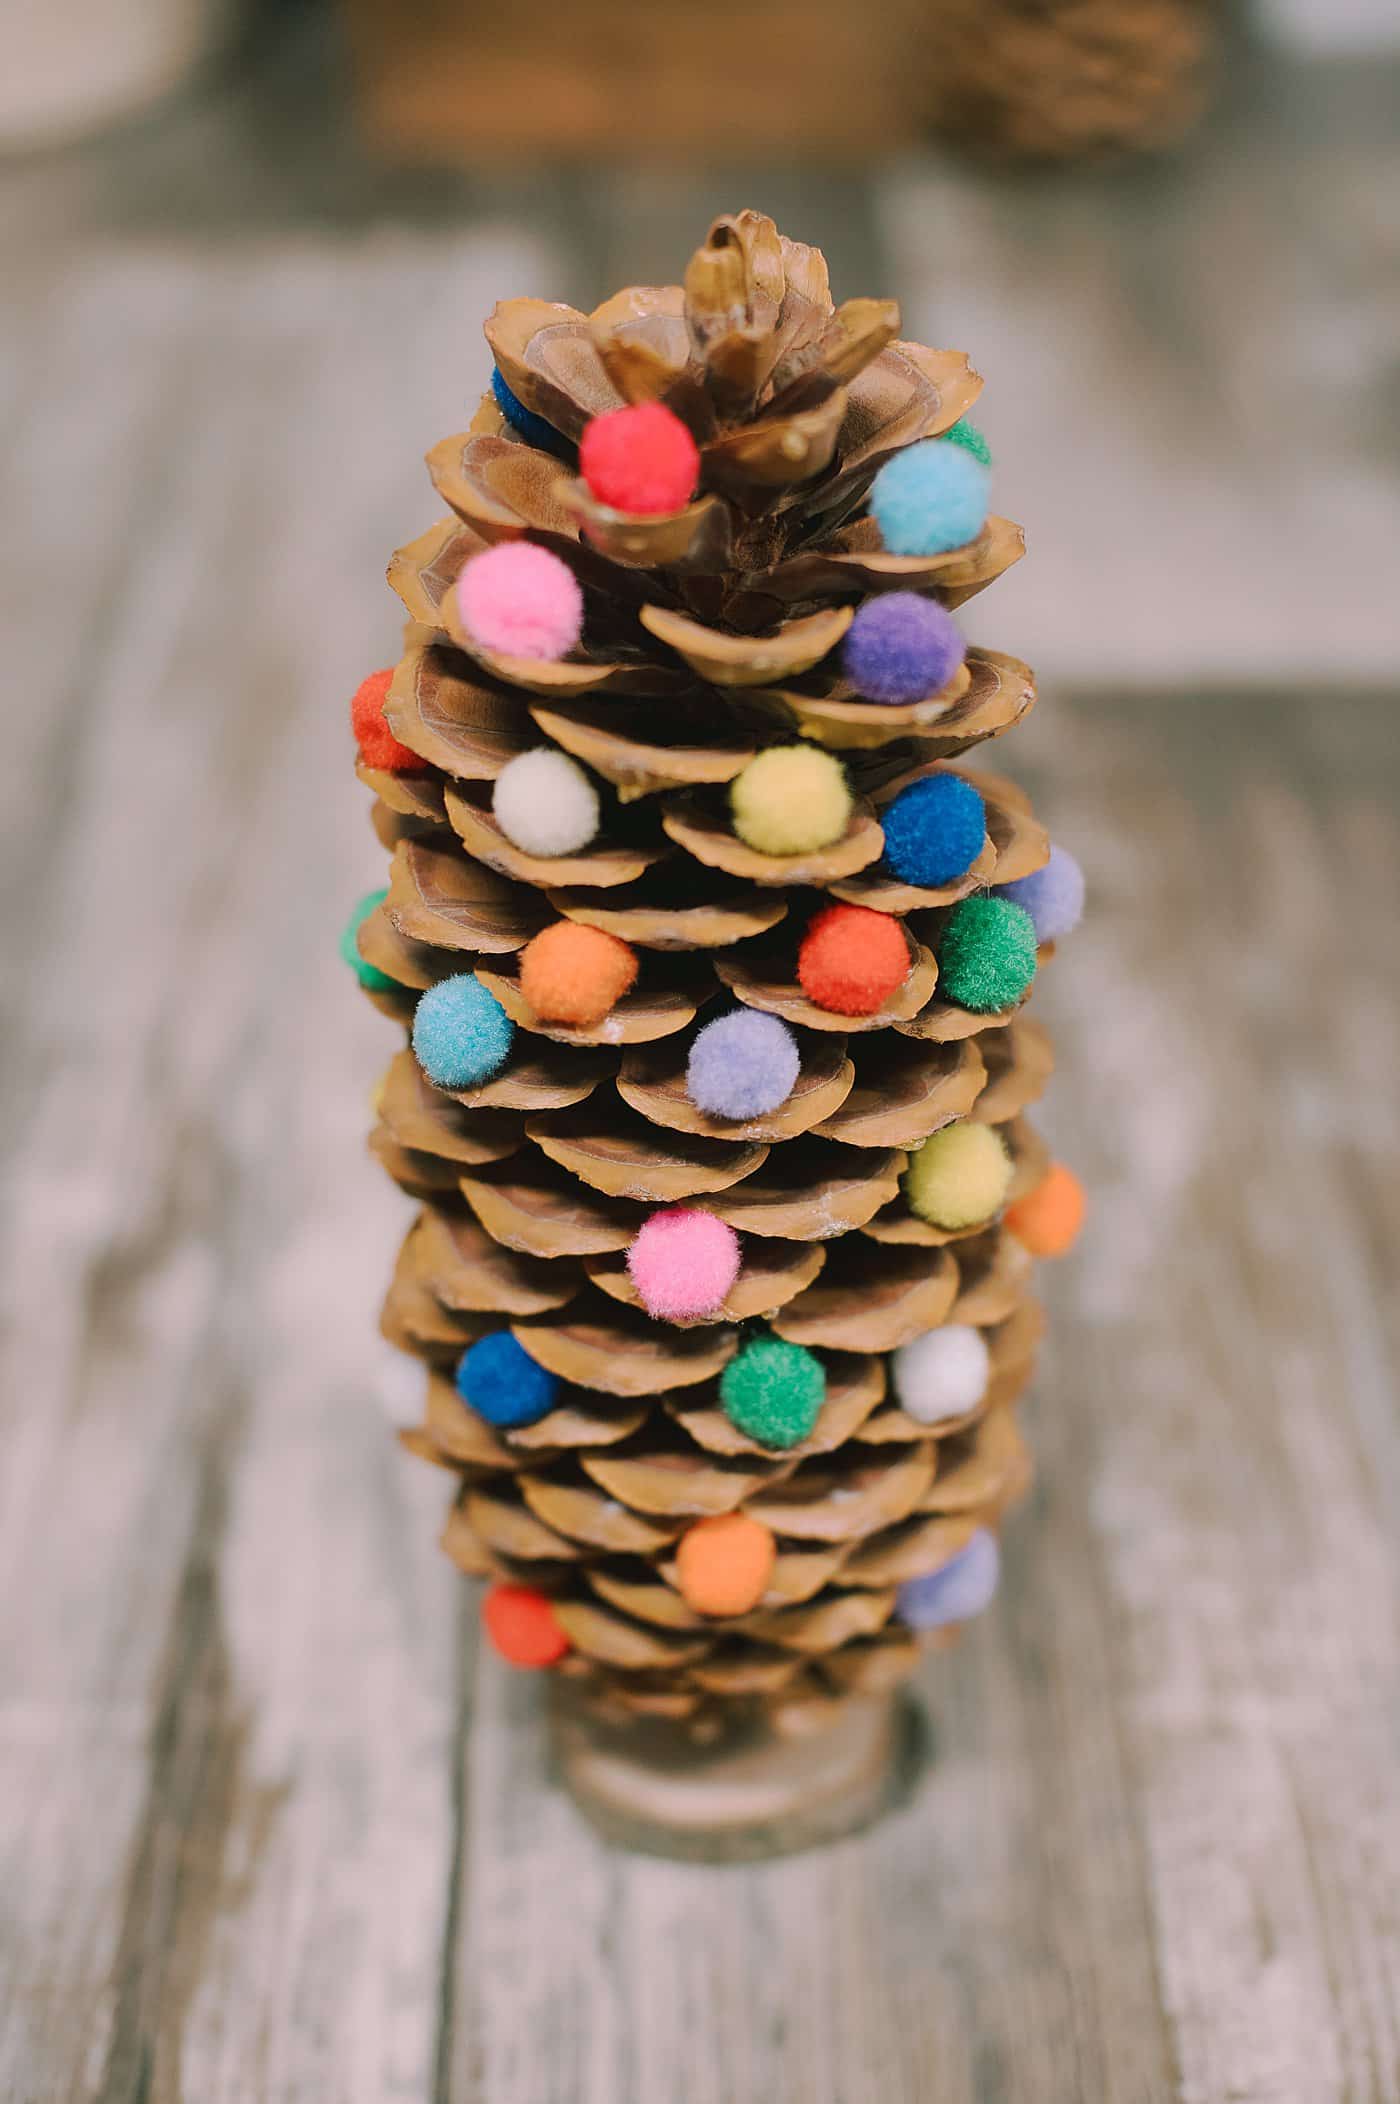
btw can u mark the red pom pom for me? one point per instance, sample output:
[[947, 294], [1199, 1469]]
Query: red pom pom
[[641, 459], [521, 1624], [852, 959], [378, 745]]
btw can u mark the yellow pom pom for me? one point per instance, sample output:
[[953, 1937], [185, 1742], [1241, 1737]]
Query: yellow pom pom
[[791, 800], [959, 1176]]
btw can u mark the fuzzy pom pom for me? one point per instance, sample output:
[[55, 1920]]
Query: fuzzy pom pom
[[498, 1379], [576, 975], [1048, 1219], [461, 1033], [791, 800], [544, 803], [520, 601], [962, 1588], [942, 1374], [378, 745], [724, 1565], [959, 1176], [523, 1626], [852, 959], [742, 1065], [967, 435], [640, 459], [683, 1262], [535, 430], [930, 498], [986, 954], [369, 975], [934, 830], [901, 648], [1053, 896], [773, 1391]]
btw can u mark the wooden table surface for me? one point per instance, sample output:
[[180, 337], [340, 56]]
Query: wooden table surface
[[271, 1827]]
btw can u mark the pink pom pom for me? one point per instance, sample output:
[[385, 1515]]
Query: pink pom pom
[[520, 601], [683, 1263]]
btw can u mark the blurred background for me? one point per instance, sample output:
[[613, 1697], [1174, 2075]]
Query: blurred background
[[247, 251]]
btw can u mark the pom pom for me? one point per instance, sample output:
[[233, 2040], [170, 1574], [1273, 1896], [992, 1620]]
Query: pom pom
[[523, 1626], [369, 975], [967, 435], [773, 1391], [640, 459], [986, 954], [742, 1065], [461, 1033], [959, 1176], [934, 830], [901, 648], [943, 1374], [378, 745], [544, 803], [683, 1262], [1048, 1219], [1053, 896], [852, 959], [575, 975], [535, 430], [930, 498], [724, 1565], [521, 601], [498, 1379], [962, 1588], [791, 800]]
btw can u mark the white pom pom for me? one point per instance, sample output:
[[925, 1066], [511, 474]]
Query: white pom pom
[[545, 803], [942, 1374]]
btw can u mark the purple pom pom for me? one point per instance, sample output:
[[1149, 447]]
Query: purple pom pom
[[961, 1588], [902, 648], [742, 1065], [1053, 896]]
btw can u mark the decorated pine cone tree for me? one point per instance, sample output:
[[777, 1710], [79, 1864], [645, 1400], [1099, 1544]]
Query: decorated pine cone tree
[[712, 954]]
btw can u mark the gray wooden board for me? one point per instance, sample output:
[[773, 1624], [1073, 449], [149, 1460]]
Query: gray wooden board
[[269, 1827]]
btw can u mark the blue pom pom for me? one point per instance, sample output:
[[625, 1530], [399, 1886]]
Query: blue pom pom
[[901, 648], [498, 1379], [930, 498], [934, 830], [1053, 896], [742, 1065], [535, 430], [962, 433], [960, 1589], [461, 1033]]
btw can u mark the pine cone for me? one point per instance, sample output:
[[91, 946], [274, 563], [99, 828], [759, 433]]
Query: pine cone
[[714, 633]]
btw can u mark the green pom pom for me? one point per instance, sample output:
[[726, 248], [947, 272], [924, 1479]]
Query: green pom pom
[[986, 958], [369, 975], [967, 435], [773, 1391]]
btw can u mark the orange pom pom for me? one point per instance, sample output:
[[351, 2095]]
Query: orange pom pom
[[378, 745], [1048, 1219], [852, 959], [724, 1565], [521, 1624], [575, 975]]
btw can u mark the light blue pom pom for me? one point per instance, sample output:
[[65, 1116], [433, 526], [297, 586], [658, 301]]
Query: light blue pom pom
[[961, 1589], [461, 1033], [930, 498]]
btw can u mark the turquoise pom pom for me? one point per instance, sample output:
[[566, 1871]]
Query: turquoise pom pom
[[930, 498], [369, 975], [461, 1033]]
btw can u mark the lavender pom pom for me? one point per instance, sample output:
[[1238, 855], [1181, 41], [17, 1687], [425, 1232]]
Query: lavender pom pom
[[742, 1065], [1053, 896], [957, 1591], [901, 648]]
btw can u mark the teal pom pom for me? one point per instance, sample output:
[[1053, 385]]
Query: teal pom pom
[[929, 498], [986, 957], [962, 433], [774, 1391], [461, 1033], [369, 975]]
